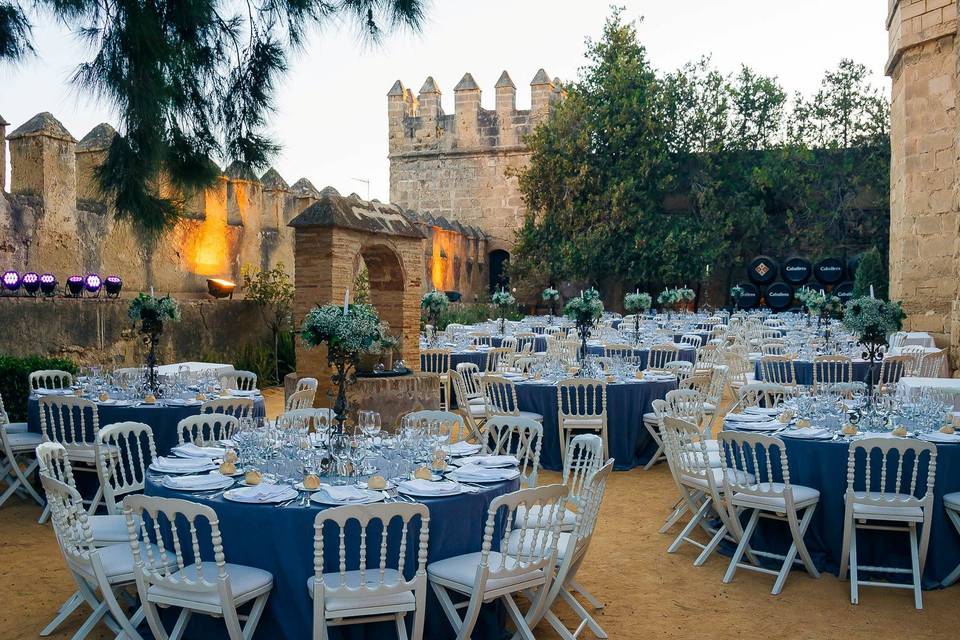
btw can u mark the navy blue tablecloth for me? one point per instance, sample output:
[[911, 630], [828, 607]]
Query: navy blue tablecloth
[[280, 540], [630, 443], [804, 371], [539, 343], [822, 465], [162, 419], [690, 355]]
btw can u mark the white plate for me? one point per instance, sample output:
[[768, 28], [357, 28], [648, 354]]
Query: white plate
[[299, 487], [390, 485], [412, 491], [504, 464], [224, 483], [511, 474], [171, 471], [321, 497], [235, 495]]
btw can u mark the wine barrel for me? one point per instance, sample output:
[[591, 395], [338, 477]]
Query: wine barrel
[[750, 297], [844, 291], [779, 296], [830, 271], [796, 271], [762, 270]]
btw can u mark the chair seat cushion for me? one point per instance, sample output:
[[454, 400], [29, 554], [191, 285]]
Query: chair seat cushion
[[531, 415], [709, 407], [802, 496], [107, 530], [952, 501], [87, 453], [718, 474], [893, 508], [16, 427], [245, 584], [462, 570], [583, 423], [344, 600], [477, 410], [477, 400], [569, 518], [651, 419], [23, 441], [117, 560]]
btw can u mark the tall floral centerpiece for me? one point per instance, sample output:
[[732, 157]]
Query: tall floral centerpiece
[[827, 307], [806, 296], [873, 320], [736, 292], [149, 314], [551, 296], [433, 303], [686, 297], [503, 299], [668, 299], [636, 303], [584, 310], [348, 332]]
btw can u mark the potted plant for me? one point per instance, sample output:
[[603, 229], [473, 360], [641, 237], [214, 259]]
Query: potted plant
[[149, 314], [736, 292], [347, 332], [504, 300], [686, 297], [551, 296], [433, 303], [636, 303], [873, 320], [667, 299], [584, 310]]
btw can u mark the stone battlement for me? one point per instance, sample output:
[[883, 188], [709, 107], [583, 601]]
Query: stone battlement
[[453, 166]]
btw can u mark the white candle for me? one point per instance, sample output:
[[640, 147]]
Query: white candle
[[821, 291], [151, 292], [346, 299], [871, 291]]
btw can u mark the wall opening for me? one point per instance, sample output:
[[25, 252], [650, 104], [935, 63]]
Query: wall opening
[[499, 261]]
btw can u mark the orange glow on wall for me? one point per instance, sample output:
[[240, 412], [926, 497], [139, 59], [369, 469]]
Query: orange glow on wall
[[208, 253], [441, 261]]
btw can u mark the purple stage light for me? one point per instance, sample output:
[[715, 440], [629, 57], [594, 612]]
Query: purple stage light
[[92, 283], [74, 286], [11, 280], [31, 282], [48, 284]]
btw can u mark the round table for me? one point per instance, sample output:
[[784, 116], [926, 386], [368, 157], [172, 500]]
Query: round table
[[683, 353], [630, 442], [162, 418], [822, 465], [804, 371], [280, 540], [539, 343]]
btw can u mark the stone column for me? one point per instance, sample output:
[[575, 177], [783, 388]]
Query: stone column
[[3, 154]]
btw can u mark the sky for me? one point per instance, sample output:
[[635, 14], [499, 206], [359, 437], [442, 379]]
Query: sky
[[331, 115]]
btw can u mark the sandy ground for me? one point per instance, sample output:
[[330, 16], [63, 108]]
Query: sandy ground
[[648, 592]]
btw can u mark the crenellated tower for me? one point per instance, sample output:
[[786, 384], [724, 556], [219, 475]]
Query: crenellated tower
[[454, 166]]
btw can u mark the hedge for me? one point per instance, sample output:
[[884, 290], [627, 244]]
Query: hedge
[[15, 380]]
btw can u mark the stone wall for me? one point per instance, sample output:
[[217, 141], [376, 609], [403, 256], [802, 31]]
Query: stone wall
[[454, 166], [924, 211], [99, 331]]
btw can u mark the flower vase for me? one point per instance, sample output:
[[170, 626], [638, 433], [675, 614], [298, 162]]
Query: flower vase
[[584, 331], [340, 405], [503, 326], [636, 328], [153, 381]]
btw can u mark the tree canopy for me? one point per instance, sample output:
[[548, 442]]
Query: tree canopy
[[644, 179], [192, 80]]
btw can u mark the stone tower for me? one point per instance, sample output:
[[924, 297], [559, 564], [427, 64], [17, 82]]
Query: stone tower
[[454, 165]]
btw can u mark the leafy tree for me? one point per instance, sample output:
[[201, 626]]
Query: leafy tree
[[273, 291], [192, 80], [361, 286], [870, 271]]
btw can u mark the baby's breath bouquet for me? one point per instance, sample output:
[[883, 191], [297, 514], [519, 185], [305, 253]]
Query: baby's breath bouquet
[[584, 310], [668, 298], [873, 320], [504, 300], [736, 292], [551, 296], [433, 303], [636, 303], [347, 332]]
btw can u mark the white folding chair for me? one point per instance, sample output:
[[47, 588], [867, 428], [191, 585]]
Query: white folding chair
[[302, 399], [236, 407], [691, 339], [779, 370], [951, 503], [582, 406], [377, 589], [449, 422], [487, 575], [239, 381], [474, 414], [206, 429], [306, 383], [769, 495], [761, 394], [886, 492], [659, 355], [18, 448], [12, 427], [652, 423], [931, 364], [829, 369], [74, 423], [437, 361], [192, 583], [50, 379], [518, 436], [501, 398], [892, 368], [124, 449]]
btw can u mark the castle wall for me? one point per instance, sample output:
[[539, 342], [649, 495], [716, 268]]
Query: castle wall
[[456, 166], [924, 211]]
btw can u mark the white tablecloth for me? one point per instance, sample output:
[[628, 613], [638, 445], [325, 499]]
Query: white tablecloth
[[944, 365], [949, 385], [921, 338], [170, 369]]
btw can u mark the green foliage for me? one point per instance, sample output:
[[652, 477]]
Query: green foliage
[[648, 179], [361, 286], [870, 271], [872, 320], [191, 80], [468, 313], [637, 301], [434, 303], [584, 309], [346, 334], [273, 292], [151, 312], [256, 357], [15, 384]]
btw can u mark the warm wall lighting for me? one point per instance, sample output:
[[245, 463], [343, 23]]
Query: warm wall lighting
[[31, 283], [112, 285], [220, 288]]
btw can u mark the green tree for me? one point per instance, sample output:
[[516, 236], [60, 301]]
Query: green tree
[[273, 292], [361, 286], [192, 81], [870, 272]]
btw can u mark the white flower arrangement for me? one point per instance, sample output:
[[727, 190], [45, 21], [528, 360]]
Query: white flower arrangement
[[347, 333], [585, 309], [551, 295], [503, 299], [686, 294], [634, 302], [434, 303]]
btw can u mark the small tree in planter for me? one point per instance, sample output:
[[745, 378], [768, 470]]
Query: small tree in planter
[[347, 332], [873, 320], [551, 296], [504, 301], [686, 297], [668, 299], [584, 310], [434, 303], [736, 292], [149, 314], [636, 303]]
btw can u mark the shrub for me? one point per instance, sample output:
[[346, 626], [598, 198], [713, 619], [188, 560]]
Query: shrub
[[870, 271], [15, 380], [459, 313]]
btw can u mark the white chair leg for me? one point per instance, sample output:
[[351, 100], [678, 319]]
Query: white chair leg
[[401, 627], [253, 618], [449, 609], [695, 519], [678, 510], [66, 609], [854, 572], [711, 546], [915, 566], [45, 515], [523, 630], [955, 574], [579, 588], [744, 542], [181, 625], [584, 615], [848, 526]]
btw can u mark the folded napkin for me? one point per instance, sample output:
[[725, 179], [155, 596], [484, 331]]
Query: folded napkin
[[263, 492], [190, 450], [491, 461], [213, 481], [771, 425], [763, 411], [52, 392], [183, 465], [476, 473], [441, 488], [345, 494], [936, 436], [814, 433], [462, 448], [243, 393], [746, 417]]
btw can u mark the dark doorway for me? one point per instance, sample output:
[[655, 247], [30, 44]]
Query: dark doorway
[[499, 274]]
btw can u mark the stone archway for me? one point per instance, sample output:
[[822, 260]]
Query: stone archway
[[386, 273], [499, 260]]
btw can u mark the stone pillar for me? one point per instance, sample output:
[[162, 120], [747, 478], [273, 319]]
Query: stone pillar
[[924, 212], [429, 111], [541, 94], [91, 153], [506, 108], [467, 109], [3, 154]]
